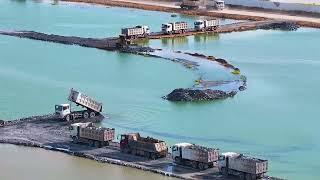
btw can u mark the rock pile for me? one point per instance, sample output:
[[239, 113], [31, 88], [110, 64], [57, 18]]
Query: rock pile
[[284, 26], [197, 95]]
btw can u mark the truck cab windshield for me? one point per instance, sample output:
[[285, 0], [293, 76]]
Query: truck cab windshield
[[58, 108]]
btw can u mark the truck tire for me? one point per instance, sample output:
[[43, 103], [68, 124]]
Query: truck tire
[[85, 115], [97, 144], [67, 118], [194, 164], [242, 176], [153, 156], [92, 114], [248, 177], [178, 160], [201, 166], [224, 171], [91, 143], [75, 139]]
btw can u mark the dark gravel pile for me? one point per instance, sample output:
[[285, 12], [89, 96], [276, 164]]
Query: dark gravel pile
[[197, 95]]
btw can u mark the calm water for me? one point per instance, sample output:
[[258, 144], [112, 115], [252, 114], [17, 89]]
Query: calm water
[[275, 118], [42, 164]]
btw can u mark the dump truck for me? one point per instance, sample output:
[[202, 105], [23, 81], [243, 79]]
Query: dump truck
[[244, 167], [206, 25], [148, 147], [89, 134], [93, 108], [190, 4], [215, 4], [174, 28], [198, 157], [135, 32]]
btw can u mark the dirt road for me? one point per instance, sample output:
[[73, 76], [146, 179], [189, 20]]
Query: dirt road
[[232, 13]]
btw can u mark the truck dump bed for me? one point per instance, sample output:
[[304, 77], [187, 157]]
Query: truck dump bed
[[212, 22], [248, 164], [132, 31], [200, 153], [148, 144], [84, 100], [180, 26], [98, 134]]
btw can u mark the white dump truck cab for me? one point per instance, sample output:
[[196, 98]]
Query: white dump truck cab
[[74, 128], [146, 29], [222, 163], [62, 110], [177, 150], [220, 4], [167, 28], [199, 24]]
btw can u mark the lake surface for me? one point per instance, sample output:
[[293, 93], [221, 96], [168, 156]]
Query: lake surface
[[275, 118]]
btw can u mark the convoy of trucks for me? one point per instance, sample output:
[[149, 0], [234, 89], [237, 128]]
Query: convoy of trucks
[[91, 135], [206, 25], [174, 28], [198, 157], [128, 34], [135, 32], [185, 154], [244, 167], [148, 147], [64, 111]]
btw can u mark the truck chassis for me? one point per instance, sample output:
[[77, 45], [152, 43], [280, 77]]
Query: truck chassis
[[90, 142], [193, 164]]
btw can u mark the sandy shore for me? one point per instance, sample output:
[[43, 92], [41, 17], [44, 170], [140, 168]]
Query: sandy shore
[[230, 13]]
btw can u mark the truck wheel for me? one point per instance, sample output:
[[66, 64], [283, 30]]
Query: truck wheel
[[177, 160], [67, 118], [92, 114], [224, 171], [241, 176], [97, 144], [75, 139], [248, 176], [91, 143], [201, 166], [194, 165], [153, 156], [86, 115]]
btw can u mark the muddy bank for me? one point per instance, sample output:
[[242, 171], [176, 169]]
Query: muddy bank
[[187, 12]]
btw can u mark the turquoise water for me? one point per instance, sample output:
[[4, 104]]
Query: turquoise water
[[275, 118]]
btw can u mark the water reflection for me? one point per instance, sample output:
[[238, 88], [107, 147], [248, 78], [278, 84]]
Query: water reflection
[[174, 41], [204, 38]]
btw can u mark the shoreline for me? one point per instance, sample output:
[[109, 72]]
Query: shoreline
[[171, 9]]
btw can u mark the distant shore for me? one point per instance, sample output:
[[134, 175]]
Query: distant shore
[[231, 13]]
